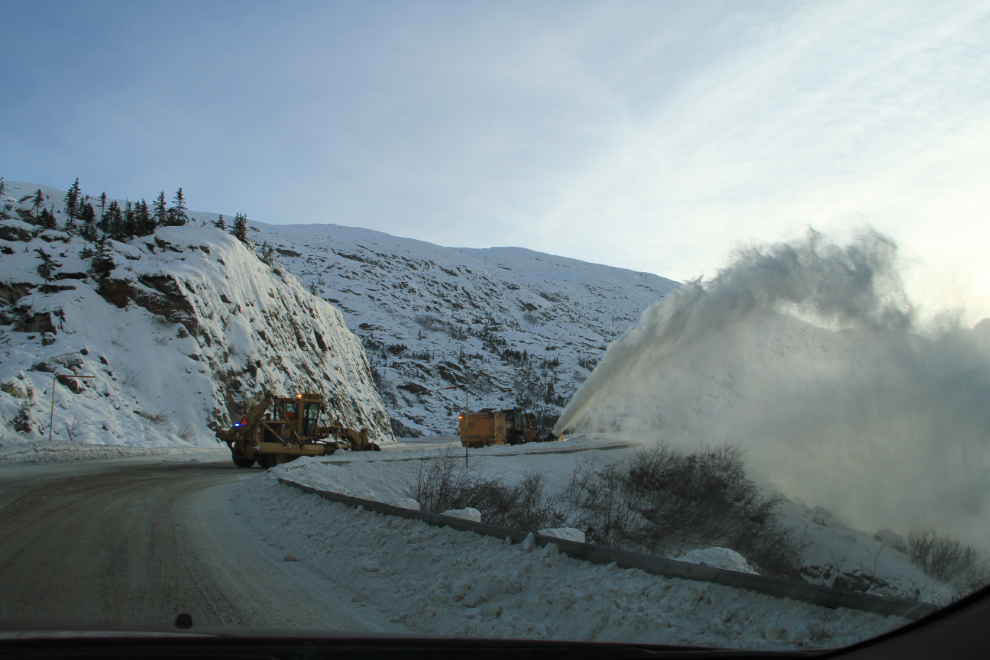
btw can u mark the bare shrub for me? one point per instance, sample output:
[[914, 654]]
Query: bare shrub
[[948, 559], [665, 502], [22, 422], [442, 484], [162, 419], [161, 323], [534, 508], [662, 502], [439, 484], [125, 375], [185, 432], [597, 505]]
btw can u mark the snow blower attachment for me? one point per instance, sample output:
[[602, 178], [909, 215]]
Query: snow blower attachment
[[281, 429], [488, 426]]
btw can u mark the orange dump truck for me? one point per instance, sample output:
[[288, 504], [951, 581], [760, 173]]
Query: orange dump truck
[[511, 426]]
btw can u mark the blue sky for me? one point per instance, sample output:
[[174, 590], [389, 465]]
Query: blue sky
[[655, 136]]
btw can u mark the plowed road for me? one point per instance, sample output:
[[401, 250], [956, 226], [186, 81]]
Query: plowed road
[[141, 540]]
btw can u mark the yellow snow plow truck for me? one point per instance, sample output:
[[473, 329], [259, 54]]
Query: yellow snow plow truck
[[281, 429], [488, 426]]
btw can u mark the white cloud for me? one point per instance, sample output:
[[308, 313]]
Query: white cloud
[[833, 116], [654, 136]]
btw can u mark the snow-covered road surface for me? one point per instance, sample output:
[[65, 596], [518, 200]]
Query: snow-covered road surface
[[141, 540]]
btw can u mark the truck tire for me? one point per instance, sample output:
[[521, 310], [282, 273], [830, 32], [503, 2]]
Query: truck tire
[[271, 460], [240, 460]]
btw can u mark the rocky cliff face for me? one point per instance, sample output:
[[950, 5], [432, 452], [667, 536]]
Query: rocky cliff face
[[186, 330]]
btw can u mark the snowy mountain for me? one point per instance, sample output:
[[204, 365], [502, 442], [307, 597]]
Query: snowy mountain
[[209, 324], [186, 328], [511, 325]]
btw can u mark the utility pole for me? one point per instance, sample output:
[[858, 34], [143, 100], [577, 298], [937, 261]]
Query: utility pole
[[467, 445], [51, 422], [467, 442]]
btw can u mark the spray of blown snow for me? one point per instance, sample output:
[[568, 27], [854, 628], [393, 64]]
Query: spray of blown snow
[[808, 357]]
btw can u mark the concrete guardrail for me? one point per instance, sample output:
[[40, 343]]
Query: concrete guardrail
[[815, 594]]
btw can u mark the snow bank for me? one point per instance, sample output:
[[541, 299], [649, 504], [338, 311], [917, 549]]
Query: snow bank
[[443, 582], [566, 533], [725, 558], [834, 553], [14, 454], [465, 514]]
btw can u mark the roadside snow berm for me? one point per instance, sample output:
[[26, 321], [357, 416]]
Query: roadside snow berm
[[290, 431]]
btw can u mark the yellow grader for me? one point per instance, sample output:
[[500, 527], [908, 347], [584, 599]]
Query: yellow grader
[[281, 429], [488, 426]]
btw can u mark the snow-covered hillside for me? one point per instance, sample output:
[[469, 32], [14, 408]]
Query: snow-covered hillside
[[186, 329], [511, 325]]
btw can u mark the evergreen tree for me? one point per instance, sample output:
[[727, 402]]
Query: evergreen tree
[[102, 262], [38, 202], [5, 206], [550, 393], [267, 254], [26, 216], [113, 222], [220, 224], [88, 216], [47, 218], [128, 228], [72, 206], [313, 289], [47, 266], [103, 206], [240, 229], [161, 215], [176, 216], [144, 224]]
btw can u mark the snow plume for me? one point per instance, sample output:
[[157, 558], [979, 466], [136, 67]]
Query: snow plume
[[808, 356]]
